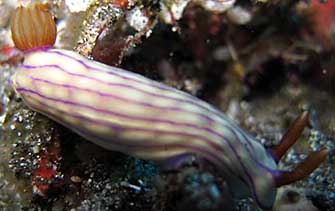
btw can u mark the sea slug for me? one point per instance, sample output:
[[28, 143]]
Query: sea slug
[[126, 112]]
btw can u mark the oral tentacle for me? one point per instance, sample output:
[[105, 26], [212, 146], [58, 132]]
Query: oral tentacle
[[305, 168], [290, 137]]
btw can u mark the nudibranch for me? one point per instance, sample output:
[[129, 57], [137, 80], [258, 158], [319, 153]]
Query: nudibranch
[[123, 111]]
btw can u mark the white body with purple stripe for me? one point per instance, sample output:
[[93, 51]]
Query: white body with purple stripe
[[127, 112]]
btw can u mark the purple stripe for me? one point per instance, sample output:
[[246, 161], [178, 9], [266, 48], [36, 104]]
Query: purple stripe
[[118, 85], [118, 128], [112, 71], [215, 146], [131, 87], [121, 128], [115, 71], [144, 104], [111, 113], [159, 107], [134, 88], [139, 145], [248, 151], [150, 83], [125, 116]]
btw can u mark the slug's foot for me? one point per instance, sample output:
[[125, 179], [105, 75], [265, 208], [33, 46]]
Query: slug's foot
[[308, 165], [179, 161]]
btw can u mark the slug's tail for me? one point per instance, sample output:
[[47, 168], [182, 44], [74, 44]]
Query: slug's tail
[[304, 168]]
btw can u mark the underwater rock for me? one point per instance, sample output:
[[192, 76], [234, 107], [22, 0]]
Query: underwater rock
[[198, 54], [126, 32], [191, 188], [290, 199]]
